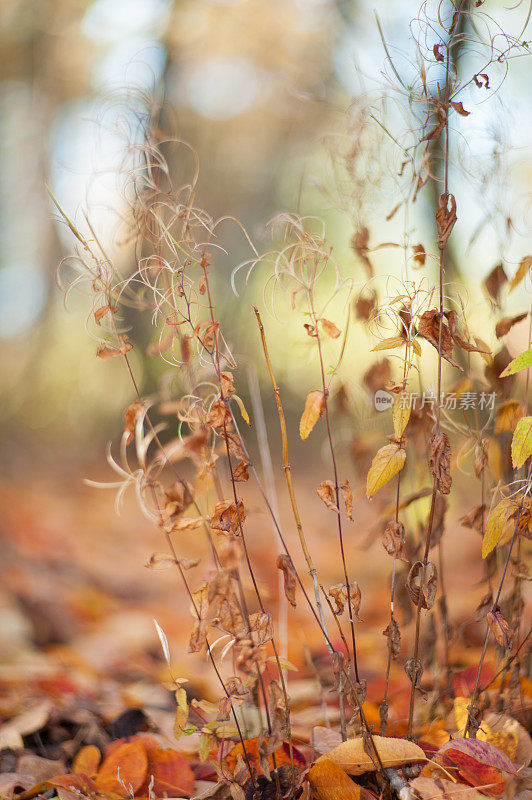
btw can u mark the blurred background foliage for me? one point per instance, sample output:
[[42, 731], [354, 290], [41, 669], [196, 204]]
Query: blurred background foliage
[[265, 92]]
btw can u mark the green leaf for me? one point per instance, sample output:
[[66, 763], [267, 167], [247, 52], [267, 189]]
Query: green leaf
[[497, 519], [523, 361], [522, 442]]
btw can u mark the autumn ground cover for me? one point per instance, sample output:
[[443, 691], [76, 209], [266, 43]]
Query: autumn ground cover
[[327, 602]]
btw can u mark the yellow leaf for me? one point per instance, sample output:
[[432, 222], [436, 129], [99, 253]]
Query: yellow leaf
[[508, 415], [494, 457], [524, 266], [401, 413], [386, 463], [285, 664], [352, 757], [314, 408], [522, 442], [416, 347], [245, 415], [388, 344], [495, 525]]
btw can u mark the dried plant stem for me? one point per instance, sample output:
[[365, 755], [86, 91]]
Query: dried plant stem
[[288, 474], [384, 704], [472, 728], [336, 482]]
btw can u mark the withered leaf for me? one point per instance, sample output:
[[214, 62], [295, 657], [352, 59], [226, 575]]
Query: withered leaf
[[486, 81], [445, 218], [438, 521], [525, 265], [393, 540], [506, 324], [364, 306], [378, 375], [187, 523], [230, 552], [429, 328], [435, 132], [102, 311], [419, 254], [359, 243], [475, 518], [338, 593], [179, 497], [479, 347], [240, 472], [426, 593], [327, 495], [436, 50], [226, 384], [393, 636], [219, 415], [284, 563], [458, 107], [314, 408], [261, 623], [440, 461], [131, 416], [330, 328], [310, 329], [495, 281], [500, 628], [234, 443], [348, 499], [226, 516]]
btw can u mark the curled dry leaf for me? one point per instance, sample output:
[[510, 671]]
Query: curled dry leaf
[[428, 576], [348, 499], [393, 540], [338, 593], [475, 518], [161, 561], [261, 623], [284, 563], [378, 375], [522, 442], [365, 306], [100, 313], [179, 496], [387, 462], [187, 523], [219, 415], [445, 218], [227, 517], [393, 636], [327, 495], [314, 408], [458, 107], [131, 416], [499, 628], [240, 472], [419, 254], [199, 609], [440, 461], [429, 328], [226, 384], [353, 759], [330, 328], [506, 324], [436, 50]]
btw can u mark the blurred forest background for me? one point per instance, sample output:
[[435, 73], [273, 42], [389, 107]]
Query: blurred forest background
[[268, 94]]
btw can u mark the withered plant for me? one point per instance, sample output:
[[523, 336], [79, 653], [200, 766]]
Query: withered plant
[[451, 404]]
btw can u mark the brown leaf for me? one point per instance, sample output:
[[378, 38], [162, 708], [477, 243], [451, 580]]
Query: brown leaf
[[359, 243], [436, 131], [475, 519], [479, 347], [525, 265], [102, 311], [495, 281], [199, 631], [506, 324], [226, 516], [240, 472], [440, 462], [234, 443], [486, 81], [284, 563], [429, 328], [378, 375], [187, 523], [426, 593], [261, 623], [330, 328], [338, 593], [499, 628], [348, 499], [327, 495], [393, 636], [393, 540], [445, 218], [508, 415], [438, 522], [226, 384], [436, 50], [419, 254], [314, 408], [230, 552], [365, 306], [219, 415], [458, 107], [179, 496]]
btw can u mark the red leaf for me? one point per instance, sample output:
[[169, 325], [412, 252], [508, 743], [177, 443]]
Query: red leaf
[[482, 776], [172, 775]]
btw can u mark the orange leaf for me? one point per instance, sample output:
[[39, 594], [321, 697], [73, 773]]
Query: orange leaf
[[314, 408], [87, 761], [172, 775], [125, 767], [330, 782], [282, 755]]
